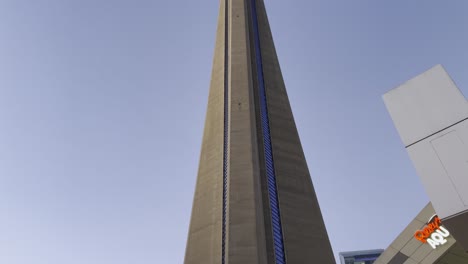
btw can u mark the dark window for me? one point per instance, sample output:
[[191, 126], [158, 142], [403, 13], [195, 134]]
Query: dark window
[[399, 258]]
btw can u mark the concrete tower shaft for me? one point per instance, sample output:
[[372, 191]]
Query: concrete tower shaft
[[254, 199]]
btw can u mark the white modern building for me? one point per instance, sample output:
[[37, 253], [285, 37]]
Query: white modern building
[[431, 116]]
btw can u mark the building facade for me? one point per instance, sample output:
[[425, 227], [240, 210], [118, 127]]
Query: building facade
[[431, 116], [408, 247], [360, 257], [254, 200]]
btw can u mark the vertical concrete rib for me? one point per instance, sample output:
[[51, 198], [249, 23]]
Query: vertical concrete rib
[[205, 232], [244, 244], [304, 232], [226, 129], [277, 232]]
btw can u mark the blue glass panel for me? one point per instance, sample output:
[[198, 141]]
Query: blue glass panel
[[269, 164], [366, 257]]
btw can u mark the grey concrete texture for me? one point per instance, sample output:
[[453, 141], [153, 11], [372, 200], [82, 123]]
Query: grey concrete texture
[[304, 231], [249, 236], [205, 231], [246, 240]]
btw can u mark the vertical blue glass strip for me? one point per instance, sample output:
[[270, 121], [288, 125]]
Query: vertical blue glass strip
[[226, 124], [268, 149]]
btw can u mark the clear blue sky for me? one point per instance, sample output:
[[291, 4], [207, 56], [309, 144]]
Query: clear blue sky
[[102, 106]]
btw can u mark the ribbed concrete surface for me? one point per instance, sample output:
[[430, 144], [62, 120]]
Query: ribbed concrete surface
[[204, 238], [249, 236], [305, 236], [244, 243]]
